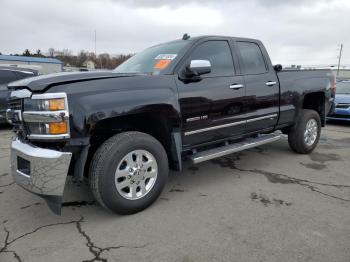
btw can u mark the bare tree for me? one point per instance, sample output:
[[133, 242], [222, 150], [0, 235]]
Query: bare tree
[[27, 53], [103, 61], [67, 52], [38, 53], [81, 58], [51, 52]]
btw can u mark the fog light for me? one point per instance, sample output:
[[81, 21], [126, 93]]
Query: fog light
[[58, 128], [23, 165]]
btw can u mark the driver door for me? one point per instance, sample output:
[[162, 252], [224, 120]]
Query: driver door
[[211, 106]]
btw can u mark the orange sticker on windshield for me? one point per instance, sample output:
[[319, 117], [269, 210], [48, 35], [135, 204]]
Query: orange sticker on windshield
[[162, 64]]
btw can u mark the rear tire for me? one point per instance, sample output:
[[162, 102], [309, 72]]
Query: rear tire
[[128, 172], [304, 136]]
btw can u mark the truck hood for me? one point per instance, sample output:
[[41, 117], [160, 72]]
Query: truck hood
[[44, 82], [342, 98]]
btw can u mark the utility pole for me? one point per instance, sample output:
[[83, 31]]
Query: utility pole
[[95, 43], [339, 58], [96, 52]]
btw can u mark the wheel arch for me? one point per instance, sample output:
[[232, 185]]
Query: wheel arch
[[163, 123], [316, 101]]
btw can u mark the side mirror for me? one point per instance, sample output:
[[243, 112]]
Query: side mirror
[[277, 67], [197, 68]]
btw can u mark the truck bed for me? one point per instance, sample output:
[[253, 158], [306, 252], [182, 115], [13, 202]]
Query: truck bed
[[297, 83]]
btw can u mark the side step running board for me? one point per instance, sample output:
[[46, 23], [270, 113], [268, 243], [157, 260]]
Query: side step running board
[[233, 148]]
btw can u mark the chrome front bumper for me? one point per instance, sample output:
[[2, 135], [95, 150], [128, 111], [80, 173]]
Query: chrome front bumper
[[40, 171]]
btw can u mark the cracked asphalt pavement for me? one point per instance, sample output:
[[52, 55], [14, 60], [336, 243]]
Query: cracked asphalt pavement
[[264, 204]]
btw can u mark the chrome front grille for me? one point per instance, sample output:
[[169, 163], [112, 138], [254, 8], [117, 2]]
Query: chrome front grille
[[15, 104], [14, 111]]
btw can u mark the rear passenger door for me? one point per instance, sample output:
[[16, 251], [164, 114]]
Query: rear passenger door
[[261, 84]]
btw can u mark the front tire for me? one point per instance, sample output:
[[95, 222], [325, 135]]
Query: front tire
[[128, 172], [304, 136]]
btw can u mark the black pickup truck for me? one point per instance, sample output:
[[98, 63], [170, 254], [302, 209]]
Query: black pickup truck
[[192, 99]]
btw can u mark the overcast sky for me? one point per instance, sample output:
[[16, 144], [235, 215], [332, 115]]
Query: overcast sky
[[304, 32]]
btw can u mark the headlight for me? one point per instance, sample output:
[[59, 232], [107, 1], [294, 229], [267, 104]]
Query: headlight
[[55, 128], [44, 104], [47, 116]]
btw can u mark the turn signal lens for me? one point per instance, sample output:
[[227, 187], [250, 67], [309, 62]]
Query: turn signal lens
[[56, 104], [58, 128]]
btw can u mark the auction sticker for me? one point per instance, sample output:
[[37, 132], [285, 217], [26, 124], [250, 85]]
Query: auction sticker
[[162, 64], [165, 57]]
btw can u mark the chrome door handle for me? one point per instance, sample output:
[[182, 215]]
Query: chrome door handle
[[271, 83], [236, 86]]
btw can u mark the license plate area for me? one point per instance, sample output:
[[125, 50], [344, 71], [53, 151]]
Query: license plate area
[[23, 166]]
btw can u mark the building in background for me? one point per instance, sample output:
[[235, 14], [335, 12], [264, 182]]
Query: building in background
[[41, 64], [89, 64]]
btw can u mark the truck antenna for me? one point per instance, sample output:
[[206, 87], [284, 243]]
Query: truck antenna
[[185, 37]]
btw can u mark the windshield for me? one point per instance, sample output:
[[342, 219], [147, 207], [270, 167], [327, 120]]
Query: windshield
[[343, 87], [153, 59]]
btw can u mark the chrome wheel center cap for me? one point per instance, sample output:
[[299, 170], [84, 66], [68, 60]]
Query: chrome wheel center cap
[[138, 175]]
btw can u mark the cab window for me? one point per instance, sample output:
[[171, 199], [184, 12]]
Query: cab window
[[252, 58], [219, 55]]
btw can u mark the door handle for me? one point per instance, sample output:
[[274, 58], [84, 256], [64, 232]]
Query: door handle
[[236, 86], [271, 83]]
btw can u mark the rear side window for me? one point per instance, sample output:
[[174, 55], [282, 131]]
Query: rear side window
[[252, 58], [219, 55], [7, 76]]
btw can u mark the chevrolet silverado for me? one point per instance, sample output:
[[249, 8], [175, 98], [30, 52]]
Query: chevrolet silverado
[[192, 99]]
